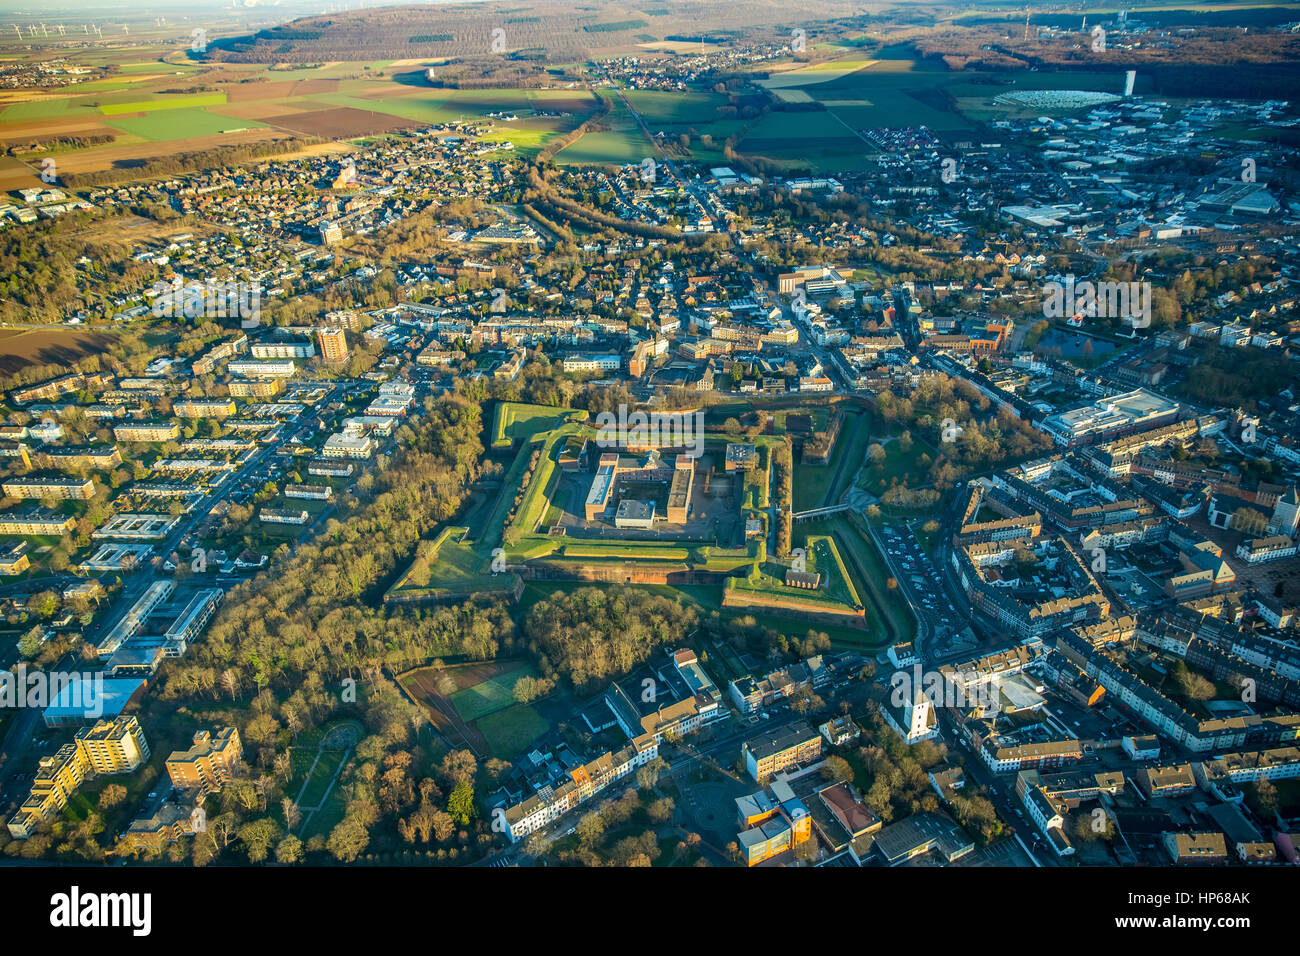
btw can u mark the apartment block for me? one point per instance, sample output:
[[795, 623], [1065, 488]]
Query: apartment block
[[209, 763], [108, 747], [333, 344], [770, 753], [88, 456], [116, 747], [147, 431], [282, 350], [256, 388], [80, 489], [35, 521], [204, 408]]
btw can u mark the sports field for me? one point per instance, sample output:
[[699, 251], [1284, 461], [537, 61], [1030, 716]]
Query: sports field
[[510, 732], [489, 696]]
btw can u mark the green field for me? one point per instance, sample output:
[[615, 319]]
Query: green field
[[511, 731], [660, 108], [491, 695], [909, 467], [447, 567], [321, 777], [858, 94], [812, 483], [515, 421], [836, 589], [181, 124], [874, 576], [619, 142], [183, 101]]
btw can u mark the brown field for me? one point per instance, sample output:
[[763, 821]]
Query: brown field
[[44, 129], [20, 348], [89, 161], [344, 122], [311, 87], [17, 175], [269, 90], [263, 112]]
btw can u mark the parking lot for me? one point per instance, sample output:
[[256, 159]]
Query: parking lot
[[918, 576]]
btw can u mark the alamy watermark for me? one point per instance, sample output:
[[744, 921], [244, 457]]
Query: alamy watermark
[[211, 299], [38, 689], [973, 690], [651, 430], [1128, 301]]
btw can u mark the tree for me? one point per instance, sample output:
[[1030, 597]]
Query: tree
[[289, 850], [661, 810], [1248, 521], [647, 777], [837, 768], [258, 838], [459, 766], [442, 825], [461, 803], [1190, 683], [348, 840], [1265, 796], [112, 795], [43, 604], [590, 828]]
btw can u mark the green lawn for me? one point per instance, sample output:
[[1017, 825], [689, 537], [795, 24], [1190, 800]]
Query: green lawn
[[906, 466], [515, 421], [447, 567], [812, 483], [836, 589], [321, 777], [512, 731], [874, 577]]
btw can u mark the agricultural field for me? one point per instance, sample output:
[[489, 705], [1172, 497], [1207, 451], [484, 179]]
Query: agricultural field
[[164, 126], [154, 104], [618, 141], [148, 109], [21, 348], [859, 94]]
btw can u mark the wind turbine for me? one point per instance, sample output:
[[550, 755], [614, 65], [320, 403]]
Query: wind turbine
[[18, 31], [60, 29]]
